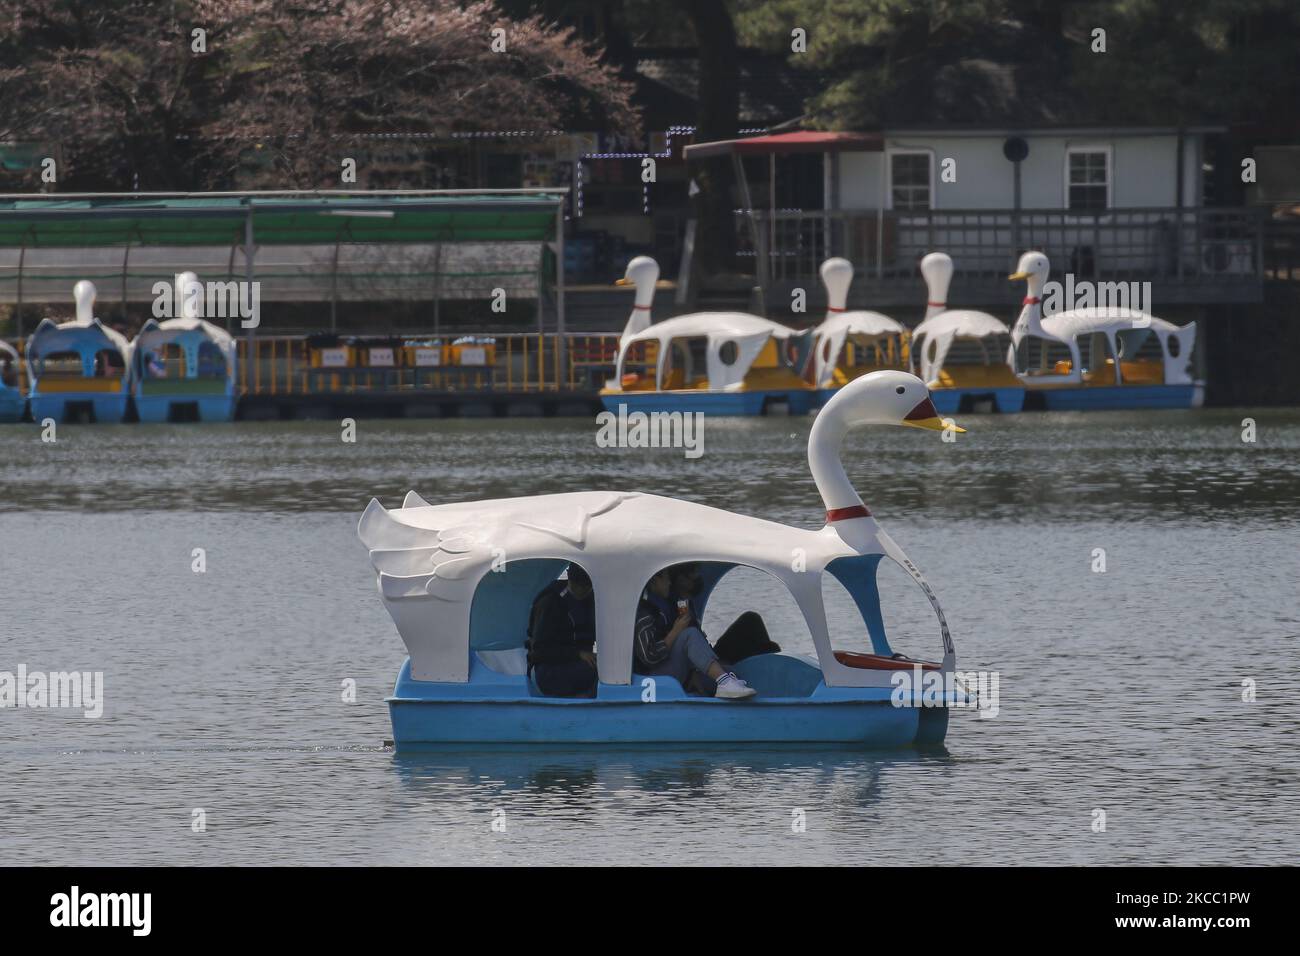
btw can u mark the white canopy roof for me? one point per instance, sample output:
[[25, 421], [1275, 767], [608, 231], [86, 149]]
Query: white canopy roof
[[1066, 325], [749, 333], [156, 334], [9, 351], [942, 330], [1125, 330], [73, 336], [836, 329]]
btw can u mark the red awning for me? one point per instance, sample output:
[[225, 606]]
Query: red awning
[[804, 141]]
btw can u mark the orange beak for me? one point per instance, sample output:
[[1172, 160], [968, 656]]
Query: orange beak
[[926, 416]]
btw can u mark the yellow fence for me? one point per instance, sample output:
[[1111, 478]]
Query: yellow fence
[[511, 363]]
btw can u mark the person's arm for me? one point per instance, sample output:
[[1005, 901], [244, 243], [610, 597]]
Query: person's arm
[[682, 622], [649, 645], [552, 637]]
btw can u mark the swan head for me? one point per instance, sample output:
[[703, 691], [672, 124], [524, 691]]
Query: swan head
[[84, 294], [936, 269], [837, 276], [887, 397], [1031, 265], [184, 282], [642, 272]]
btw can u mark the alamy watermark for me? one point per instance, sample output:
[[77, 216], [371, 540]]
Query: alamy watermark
[[651, 430], [209, 300], [1113, 298], [920, 687], [48, 690]]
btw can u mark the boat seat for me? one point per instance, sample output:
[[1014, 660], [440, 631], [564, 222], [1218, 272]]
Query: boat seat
[[512, 661]]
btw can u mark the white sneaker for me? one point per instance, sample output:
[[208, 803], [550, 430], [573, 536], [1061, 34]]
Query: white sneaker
[[731, 687]]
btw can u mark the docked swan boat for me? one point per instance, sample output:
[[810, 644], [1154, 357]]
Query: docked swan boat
[[851, 344], [960, 353], [184, 368], [718, 363], [1107, 357], [12, 401], [458, 581], [79, 366]]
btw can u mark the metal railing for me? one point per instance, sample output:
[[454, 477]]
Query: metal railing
[[523, 362], [1218, 247]]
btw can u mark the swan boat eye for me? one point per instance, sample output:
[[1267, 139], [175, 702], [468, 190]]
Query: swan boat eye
[[900, 390]]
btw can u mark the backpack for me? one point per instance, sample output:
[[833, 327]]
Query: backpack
[[544, 596]]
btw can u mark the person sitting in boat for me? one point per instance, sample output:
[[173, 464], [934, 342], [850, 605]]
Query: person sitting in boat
[[562, 635], [746, 636], [667, 642]]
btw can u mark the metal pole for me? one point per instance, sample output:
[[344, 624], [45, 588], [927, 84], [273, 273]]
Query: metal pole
[[249, 356], [126, 258], [771, 203], [760, 265], [18, 306], [1015, 214], [437, 290], [559, 289], [880, 217], [334, 288]]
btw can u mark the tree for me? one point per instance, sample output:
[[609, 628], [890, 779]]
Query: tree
[[279, 87]]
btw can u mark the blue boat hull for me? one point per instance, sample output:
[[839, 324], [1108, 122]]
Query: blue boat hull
[[799, 401], [496, 708], [12, 405], [1007, 401], [211, 408], [948, 401], [109, 406], [1071, 399]]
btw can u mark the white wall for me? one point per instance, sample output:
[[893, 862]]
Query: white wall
[[1143, 171]]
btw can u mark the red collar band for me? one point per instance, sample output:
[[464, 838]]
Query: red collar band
[[1031, 300], [840, 514], [938, 305], [831, 308], [646, 307]]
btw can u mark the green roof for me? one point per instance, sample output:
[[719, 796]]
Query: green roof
[[278, 218]]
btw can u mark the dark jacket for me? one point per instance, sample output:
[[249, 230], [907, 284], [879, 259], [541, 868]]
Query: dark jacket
[[655, 617], [560, 626]]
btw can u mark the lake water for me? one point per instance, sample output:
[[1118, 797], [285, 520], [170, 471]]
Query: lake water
[[1120, 690]]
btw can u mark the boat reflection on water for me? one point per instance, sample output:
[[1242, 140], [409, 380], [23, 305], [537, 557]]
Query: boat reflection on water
[[833, 774]]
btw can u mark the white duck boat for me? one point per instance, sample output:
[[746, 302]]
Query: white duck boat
[[183, 369], [80, 368], [459, 579], [960, 353], [719, 363], [849, 344], [12, 401], [1108, 357]]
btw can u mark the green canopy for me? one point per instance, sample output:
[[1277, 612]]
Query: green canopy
[[278, 218]]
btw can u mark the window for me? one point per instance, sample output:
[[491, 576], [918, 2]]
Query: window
[[909, 179], [1087, 179]]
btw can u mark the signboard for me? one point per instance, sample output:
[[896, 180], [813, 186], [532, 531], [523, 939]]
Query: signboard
[[334, 358], [381, 358], [426, 357], [473, 355]]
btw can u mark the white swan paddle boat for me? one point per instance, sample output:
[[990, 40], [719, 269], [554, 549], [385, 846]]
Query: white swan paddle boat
[[848, 344], [183, 369], [960, 353], [719, 363], [12, 401], [1107, 357], [78, 366], [458, 581]]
